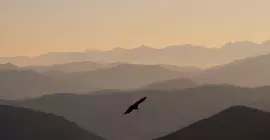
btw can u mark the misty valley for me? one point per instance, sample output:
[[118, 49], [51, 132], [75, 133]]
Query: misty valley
[[134, 70], [85, 100]]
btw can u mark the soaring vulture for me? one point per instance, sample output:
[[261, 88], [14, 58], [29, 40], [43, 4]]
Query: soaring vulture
[[134, 106]]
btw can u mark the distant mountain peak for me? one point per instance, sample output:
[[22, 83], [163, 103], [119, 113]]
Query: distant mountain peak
[[184, 46], [143, 47], [117, 49], [92, 50], [267, 42], [238, 44], [8, 66]]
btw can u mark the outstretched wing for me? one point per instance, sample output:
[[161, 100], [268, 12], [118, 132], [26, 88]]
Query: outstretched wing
[[128, 110], [140, 101], [134, 106]]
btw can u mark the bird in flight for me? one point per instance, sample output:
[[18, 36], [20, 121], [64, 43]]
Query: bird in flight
[[134, 106]]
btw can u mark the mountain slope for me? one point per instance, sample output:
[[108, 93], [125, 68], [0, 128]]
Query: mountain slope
[[25, 124], [21, 83], [67, 67], [235, 123], [162, 113], [24, 83], [171, 85], [125, 76], [246, 72], [8, 66], [180, 55]]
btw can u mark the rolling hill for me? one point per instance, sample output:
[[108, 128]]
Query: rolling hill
[[171, 85], [22, 83], [18, 83], [234, 123], [67, 67], [162, 113], [25, 124], [250, 72], [8, 66], [125, 76]]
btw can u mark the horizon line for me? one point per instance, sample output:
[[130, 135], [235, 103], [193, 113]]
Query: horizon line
[[140, 46]]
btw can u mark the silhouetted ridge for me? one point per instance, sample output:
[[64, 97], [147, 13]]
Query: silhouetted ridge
[[8, 66], [115, 76], [25, 124], [172, 84], [234, 123], [250, 72], [180, 55], [164, 112], [81, 66]]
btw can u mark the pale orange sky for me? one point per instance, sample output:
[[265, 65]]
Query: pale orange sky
[[31, 27]]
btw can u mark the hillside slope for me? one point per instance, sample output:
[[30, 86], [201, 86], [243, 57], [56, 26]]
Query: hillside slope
[[162, 113], [25, 124], [234, 123], [249, 72]]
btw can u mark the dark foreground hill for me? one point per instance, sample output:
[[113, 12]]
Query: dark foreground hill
[[235, 123], [25, 124]]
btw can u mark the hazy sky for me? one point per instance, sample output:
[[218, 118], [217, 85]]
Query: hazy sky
[[31, 27]]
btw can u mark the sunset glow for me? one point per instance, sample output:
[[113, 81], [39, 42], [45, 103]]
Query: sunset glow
[[32, 27]]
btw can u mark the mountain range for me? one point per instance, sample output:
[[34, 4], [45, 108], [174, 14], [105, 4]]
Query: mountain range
[[179, 55], [173, 84], [25, 124], [184, 84], [248, 72], [164, 111], [234, 123], [21, 82]]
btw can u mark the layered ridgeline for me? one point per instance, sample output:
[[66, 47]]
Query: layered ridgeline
[[162, 113], [249, 72], [173, 84], [67, 67], [234, 123], [25, 124], [21, 83], [180, 55], [85, 66]]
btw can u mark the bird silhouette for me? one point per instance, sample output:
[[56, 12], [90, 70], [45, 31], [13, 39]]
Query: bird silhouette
[[134, 106]]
